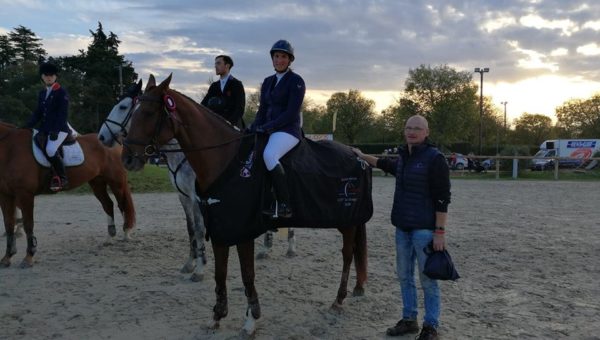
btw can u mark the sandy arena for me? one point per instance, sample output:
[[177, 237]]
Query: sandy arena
[[528, 253]]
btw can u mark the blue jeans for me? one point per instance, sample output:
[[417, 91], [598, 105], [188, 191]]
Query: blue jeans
[[409, 247]]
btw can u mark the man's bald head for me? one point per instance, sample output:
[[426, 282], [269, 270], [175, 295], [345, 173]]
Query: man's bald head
[[416, 130]]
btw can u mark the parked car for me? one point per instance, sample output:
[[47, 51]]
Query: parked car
[[489, 164], [458, 161]]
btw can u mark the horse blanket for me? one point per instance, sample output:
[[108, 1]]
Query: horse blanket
[[329, 188]]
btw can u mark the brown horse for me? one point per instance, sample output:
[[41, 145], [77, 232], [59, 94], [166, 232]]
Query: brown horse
[[210, 143], [22, 178]]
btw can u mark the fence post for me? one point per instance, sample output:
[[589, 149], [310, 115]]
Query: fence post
[[497, 167], [515, 168], [556, 168]]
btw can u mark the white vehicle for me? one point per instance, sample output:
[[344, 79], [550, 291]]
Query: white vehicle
[[577, 149]]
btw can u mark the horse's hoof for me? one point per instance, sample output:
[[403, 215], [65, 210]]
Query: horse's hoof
[[5, 263], [358, 291], [187, 268], [291, 253], [197, 277], [112, 230], [262, 256], [337, 308], [214, 324], [26, 264], [128, 234], [249, 328]]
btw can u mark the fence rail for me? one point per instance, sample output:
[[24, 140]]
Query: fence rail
[[515, 161]]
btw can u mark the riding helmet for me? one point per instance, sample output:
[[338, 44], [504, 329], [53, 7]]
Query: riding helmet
[[48, 68], [283, 46]]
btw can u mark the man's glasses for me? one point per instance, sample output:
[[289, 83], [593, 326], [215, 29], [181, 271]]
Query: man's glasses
[[413, 128]]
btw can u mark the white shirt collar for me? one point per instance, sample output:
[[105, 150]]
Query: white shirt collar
[[224, 80]]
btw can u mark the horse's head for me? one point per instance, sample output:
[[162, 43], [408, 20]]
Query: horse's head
[[115, 126], [151, 125]]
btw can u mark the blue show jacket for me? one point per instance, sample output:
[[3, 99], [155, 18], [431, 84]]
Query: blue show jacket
[[51, 111], [280, 104]]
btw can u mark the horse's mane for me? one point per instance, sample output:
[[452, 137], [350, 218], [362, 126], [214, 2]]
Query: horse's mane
[[204, 108], [8, 125]]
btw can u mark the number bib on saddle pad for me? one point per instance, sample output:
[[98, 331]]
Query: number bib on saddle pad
[[329, 188], [72, 153]]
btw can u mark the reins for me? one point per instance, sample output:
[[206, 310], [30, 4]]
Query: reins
[[152, 148]]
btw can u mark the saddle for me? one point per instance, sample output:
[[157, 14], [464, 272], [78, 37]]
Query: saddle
[[70, 150], [329, 188]]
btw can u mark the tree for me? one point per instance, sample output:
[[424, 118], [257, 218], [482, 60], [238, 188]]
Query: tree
[[98, 69], [27, 45], [447, 98], [7, 52], [532, 129], [353, 113], [314, 117], [578, 118]]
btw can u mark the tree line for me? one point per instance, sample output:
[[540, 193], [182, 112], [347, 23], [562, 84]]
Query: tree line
[[447, 97]]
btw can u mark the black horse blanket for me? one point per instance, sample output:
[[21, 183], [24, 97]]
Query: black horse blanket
[[329, 188]]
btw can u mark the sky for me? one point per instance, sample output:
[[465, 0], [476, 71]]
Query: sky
[[540, 52]]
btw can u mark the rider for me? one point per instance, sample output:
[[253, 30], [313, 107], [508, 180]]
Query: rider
[[279, 116], [226, 96], [52, 111]]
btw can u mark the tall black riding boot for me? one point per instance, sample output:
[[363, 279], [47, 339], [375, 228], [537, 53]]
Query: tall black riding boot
[[281, 208], [59, 180]]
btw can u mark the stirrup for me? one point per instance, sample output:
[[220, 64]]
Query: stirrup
[[56, 184], [275, 212]]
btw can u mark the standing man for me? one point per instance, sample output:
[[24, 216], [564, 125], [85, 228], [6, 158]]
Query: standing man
[[226, 96], [52, 111], [419, 213]]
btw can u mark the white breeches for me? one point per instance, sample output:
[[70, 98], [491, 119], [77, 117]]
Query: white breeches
[[53, 145], [278, 145]]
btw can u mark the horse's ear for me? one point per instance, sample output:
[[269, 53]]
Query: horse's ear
[[165, 83], [151, 82], [138, 87]]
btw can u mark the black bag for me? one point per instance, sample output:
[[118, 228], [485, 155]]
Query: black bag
[[439, 265]]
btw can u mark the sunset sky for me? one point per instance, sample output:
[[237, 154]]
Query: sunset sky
[[540, 53]]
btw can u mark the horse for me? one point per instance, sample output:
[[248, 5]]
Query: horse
[[210, 143], [22, 178], [182, 176], [115, 128]]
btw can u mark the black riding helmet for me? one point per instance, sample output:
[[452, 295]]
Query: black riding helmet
[[48, 69], [283, 46]]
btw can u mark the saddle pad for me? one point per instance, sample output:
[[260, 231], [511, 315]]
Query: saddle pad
[[72, 154]]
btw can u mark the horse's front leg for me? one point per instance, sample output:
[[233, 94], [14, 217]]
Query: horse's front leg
[[267, 246], [347, 254], [220, 310], [246, 256], [291, 252], [8, 212], [189, 265], [199, 231], [26, 204]]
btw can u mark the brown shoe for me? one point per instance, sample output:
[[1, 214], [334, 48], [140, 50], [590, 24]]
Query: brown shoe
[[428, 333], [403, 327]]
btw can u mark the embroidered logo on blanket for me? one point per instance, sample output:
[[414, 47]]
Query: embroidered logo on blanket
[[245, 171]]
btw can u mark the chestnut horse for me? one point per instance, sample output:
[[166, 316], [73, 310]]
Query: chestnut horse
[[209, 144], [22, 178]]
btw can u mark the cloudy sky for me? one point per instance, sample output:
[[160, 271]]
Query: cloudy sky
[[540, 52]]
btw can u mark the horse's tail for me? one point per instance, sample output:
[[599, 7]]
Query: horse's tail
[[360, 253]]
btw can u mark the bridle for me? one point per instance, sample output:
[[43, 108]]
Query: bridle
[[152, 147], [122, 125]]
